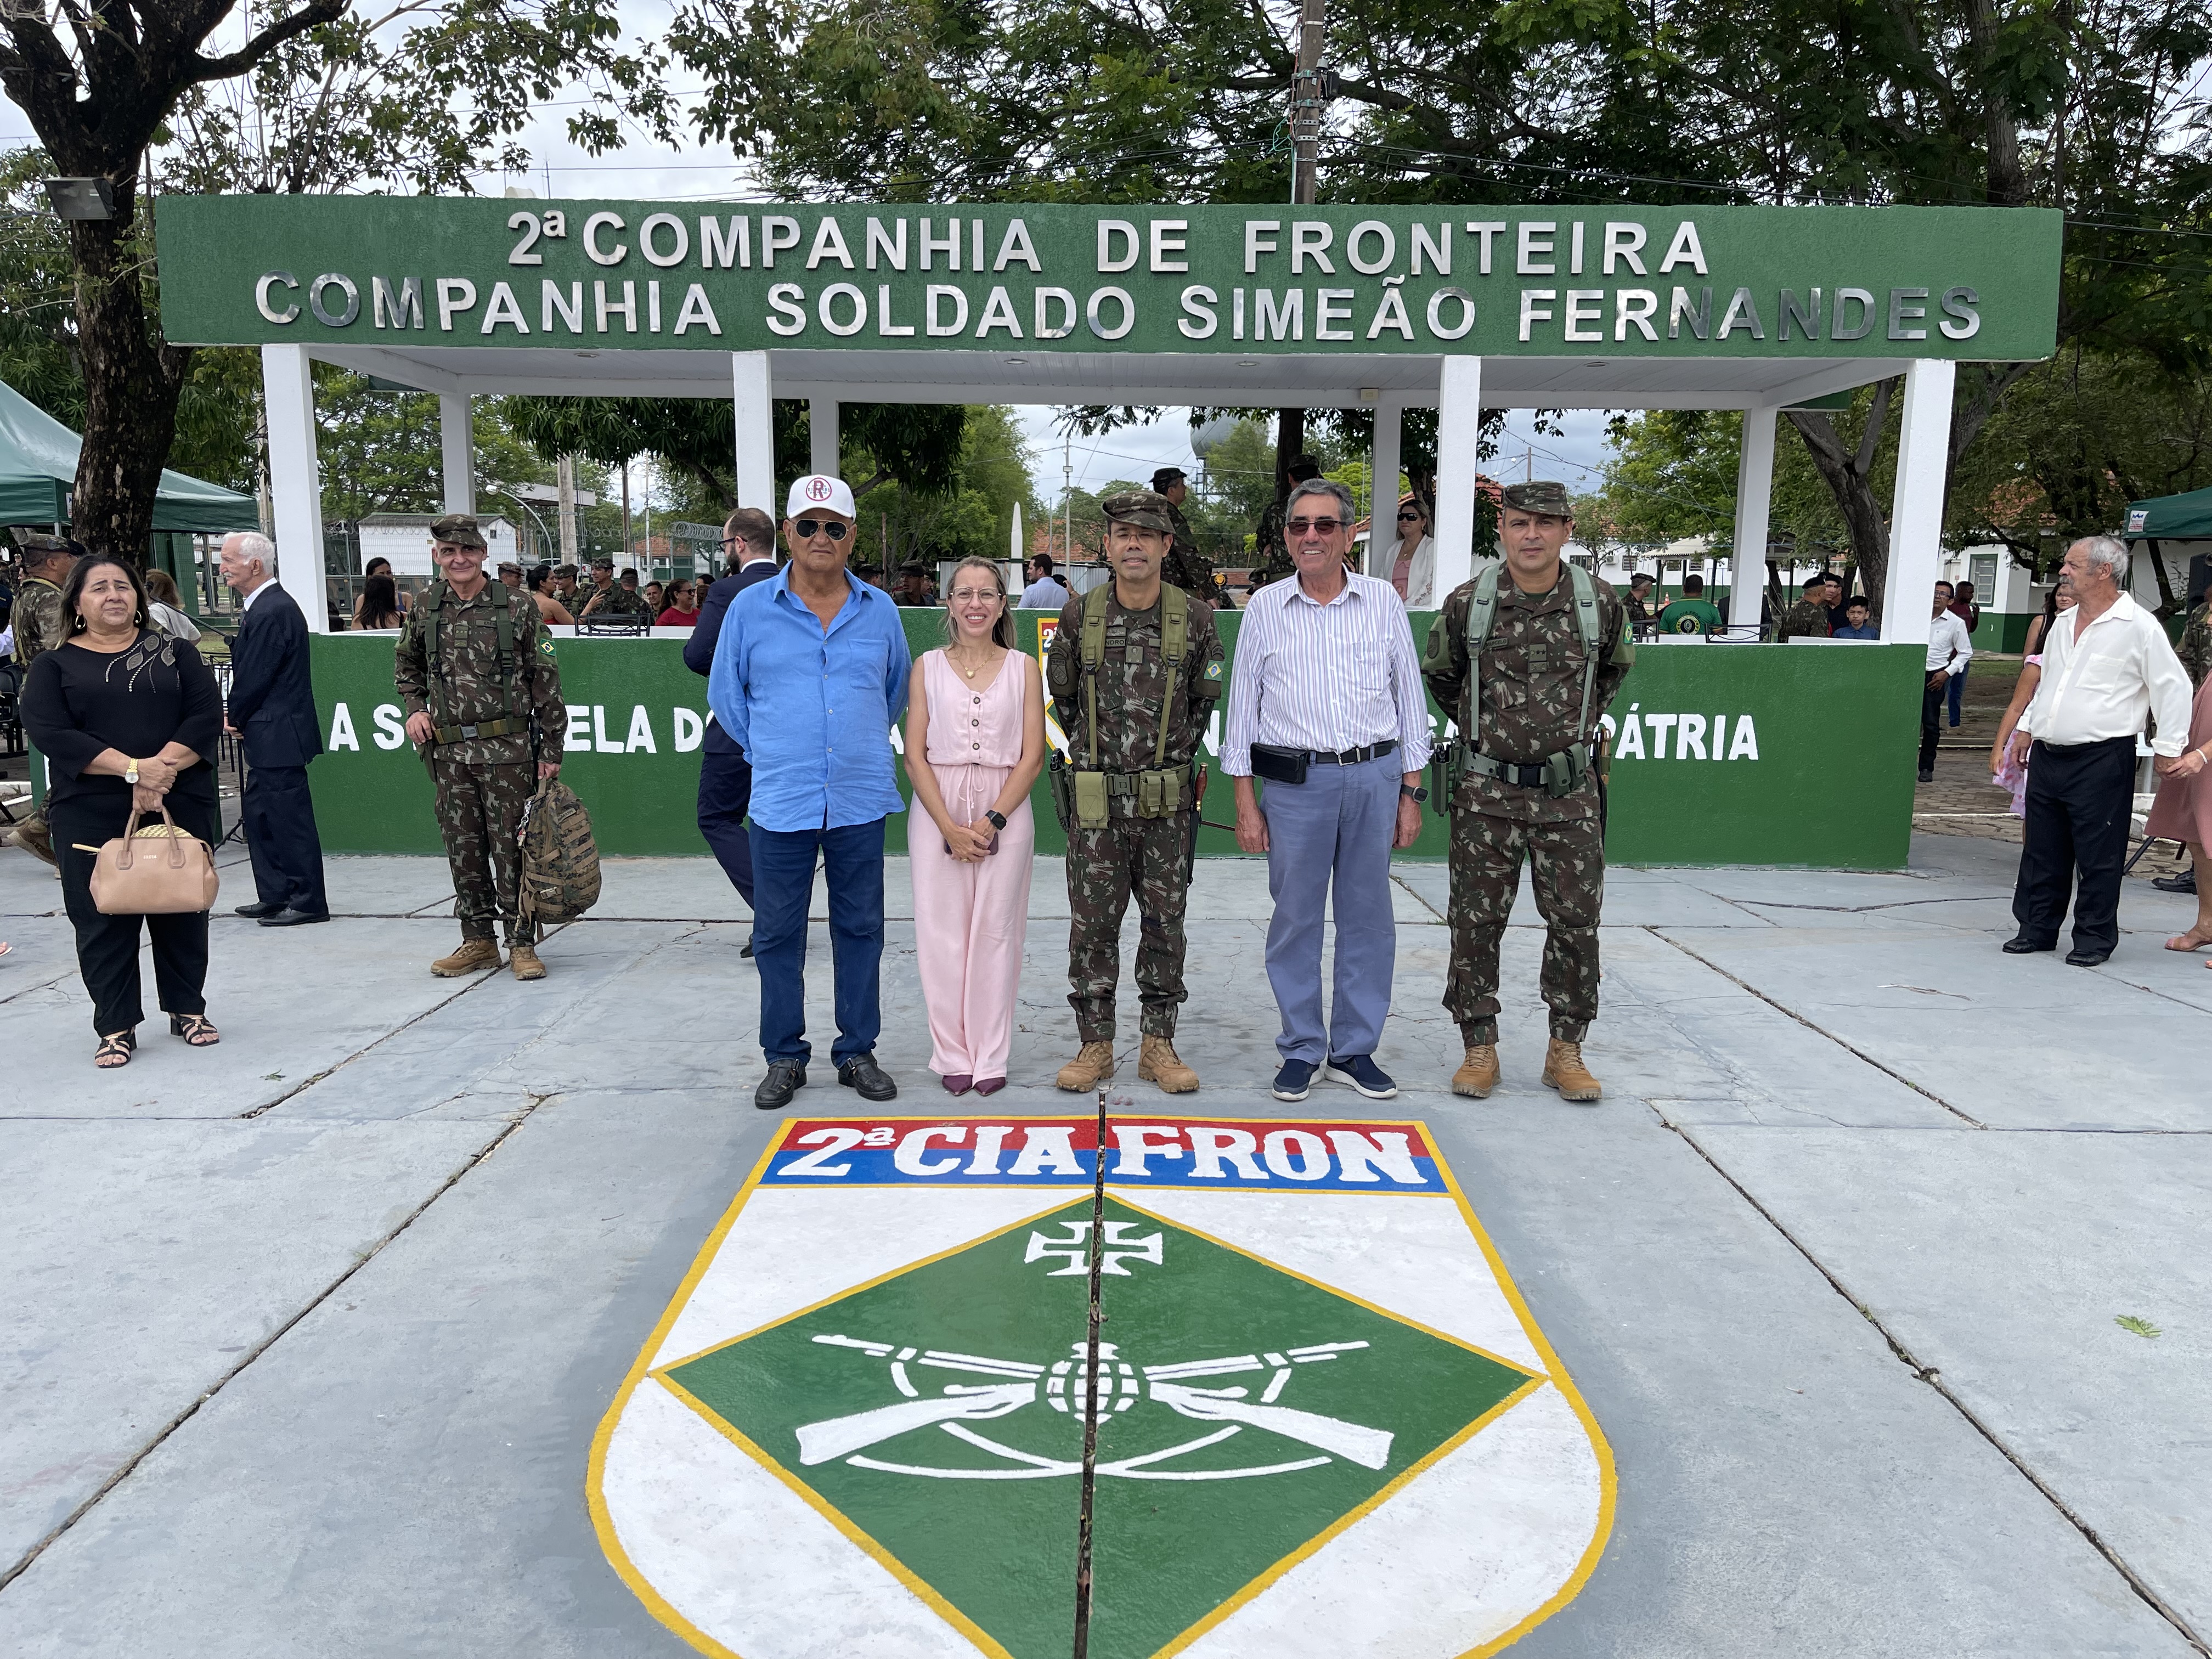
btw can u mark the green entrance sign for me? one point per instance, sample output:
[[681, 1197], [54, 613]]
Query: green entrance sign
[[1622, 281]]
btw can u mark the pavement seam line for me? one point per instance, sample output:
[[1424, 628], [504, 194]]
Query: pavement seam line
[[1857, 1054], [337, 1066], [1934, 1378], [1417, 899], [361, 1260]]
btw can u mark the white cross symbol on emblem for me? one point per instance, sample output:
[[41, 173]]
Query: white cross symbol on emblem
[[1075, 1250]]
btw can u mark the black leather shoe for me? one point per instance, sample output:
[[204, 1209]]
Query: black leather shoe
[[785, 1079], [2022, 946], [294, 918], [257, 909], [1926, 774], [863, 1073], [748, 951], [2185, 882], [2088, 958]]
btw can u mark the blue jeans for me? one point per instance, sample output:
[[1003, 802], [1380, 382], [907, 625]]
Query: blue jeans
[[1956, 689], [852, 857]]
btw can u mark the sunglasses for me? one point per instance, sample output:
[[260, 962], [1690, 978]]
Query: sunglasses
[[1409, 518], [1326, 527], [836, 529]]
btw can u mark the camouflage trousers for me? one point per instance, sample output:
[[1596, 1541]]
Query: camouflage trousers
[[1566, 865], [1143, 856], [479, 811]]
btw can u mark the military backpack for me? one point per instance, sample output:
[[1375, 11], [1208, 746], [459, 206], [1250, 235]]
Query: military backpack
[[560, 860]]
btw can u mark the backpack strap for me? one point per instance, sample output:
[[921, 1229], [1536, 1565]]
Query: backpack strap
[[433, 654], [1094, 653], [1482, 613], [1586, 621], [1175, 644]]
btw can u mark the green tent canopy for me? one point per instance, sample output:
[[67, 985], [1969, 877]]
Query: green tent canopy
[[37, 470], [2184, 518]]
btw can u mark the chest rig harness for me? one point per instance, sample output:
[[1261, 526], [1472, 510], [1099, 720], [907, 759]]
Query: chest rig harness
[[1083, 795], [1560, 773], [510, 724]]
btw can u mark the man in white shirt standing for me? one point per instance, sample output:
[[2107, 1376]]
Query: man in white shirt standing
[[1949, 650], [1326, 706], [2106, 664], [1042, 594]]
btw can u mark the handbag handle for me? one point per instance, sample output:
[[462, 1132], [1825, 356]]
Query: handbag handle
[[130, 839]]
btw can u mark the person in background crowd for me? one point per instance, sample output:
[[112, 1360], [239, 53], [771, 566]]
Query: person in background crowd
[[656, 598], [726, 781], [379, 604], [2104, 667], [1043, 593], [1412, 561], [681, 609], [564, 587], [2183, 812], [810, 670], [1639, 600], [606, 597], [271, 709], [1327, 708], [1949, 650], [126, 718], [1185, 566], [1693, 613], [380, 566], [1831, 596], [1970, 614], [165, 607], [2006, 772], [548, 608], [39, 621], [510, 575], [975, 712], [1808, 617], [1275, 554], [911, 586], [1858, 621], [2195, 650]]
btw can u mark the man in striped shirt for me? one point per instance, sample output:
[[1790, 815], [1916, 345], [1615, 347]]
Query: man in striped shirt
[[1326, 707]]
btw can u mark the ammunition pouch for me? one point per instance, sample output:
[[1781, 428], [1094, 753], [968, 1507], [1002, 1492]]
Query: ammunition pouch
[[1084, 799], [1091, 807]]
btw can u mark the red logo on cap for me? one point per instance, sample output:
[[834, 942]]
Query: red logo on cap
[[818, 489]]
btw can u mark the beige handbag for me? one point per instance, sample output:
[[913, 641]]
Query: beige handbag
[[156, 871]]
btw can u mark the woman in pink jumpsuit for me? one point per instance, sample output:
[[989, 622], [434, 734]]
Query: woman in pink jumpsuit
[[975, 722]]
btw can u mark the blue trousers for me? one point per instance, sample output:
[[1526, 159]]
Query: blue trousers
[[1336, 826], [1955, 689], [726, 792], [783, 864]]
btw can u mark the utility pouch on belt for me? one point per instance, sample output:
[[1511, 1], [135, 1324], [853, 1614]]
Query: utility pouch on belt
[[1159, 794], [1279, 765], [1563, 771], [1089, 799]]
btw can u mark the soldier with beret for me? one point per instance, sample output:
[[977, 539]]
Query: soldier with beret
[[1525, 659], [476, 671], [1134, 673], [40, 626], [1184, 566], [1274, 550]]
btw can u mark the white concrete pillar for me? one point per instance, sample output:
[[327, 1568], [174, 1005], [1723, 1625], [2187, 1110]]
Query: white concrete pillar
[[822, 440], [1382, 518], [1915, 512], [756, 411], [1459, 432], [457, 440], [295, 482], [1754, 493]]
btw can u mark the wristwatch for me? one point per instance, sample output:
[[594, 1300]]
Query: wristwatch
[[131, 773], [997, 818], [1416, 796]]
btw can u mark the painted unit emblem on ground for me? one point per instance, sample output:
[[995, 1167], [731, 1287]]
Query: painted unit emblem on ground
[[1325, 1424]]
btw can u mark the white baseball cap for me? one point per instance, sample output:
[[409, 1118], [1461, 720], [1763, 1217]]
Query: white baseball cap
[[818, 493]]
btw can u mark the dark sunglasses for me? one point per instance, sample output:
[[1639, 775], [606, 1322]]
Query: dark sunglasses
[[836, 529], [1409, 518], [1326, 526]]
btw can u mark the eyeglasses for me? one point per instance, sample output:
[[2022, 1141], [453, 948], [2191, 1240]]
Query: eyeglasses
[[836, 529], [971, 595], [1326, 527]]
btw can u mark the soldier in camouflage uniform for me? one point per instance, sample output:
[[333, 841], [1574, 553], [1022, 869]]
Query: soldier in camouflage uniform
[[39, 627], [609, 598], [1274, 550], [1808, 618], [1528, 782], [1133, 721], [476, 671], [1185, 566]]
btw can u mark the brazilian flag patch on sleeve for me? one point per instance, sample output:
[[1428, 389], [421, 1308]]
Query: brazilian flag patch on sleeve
[[1214, 671], [545, 647]]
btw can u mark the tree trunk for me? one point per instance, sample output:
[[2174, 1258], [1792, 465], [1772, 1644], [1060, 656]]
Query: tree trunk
[[1290, 444], [1847, 474], [132, 382]]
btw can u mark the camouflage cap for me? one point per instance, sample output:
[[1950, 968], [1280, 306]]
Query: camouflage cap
[[1544, 496], [37, 546], [1147, 509], [603, 561], [457, 530]]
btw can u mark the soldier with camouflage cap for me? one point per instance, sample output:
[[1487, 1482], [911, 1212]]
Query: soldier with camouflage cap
[[476, 671], [1808, 618], [1134, 673], [1272, 548], [39, 627], [1184, 566], [1521, 775], [610, 597]]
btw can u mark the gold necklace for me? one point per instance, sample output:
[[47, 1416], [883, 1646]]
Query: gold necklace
[[955, 661]]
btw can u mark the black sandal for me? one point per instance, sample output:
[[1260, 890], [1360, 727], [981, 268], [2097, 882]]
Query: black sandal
[[114, 1052], [197, 1029]]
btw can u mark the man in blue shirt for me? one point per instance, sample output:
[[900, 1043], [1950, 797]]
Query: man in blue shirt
[[810, 674]]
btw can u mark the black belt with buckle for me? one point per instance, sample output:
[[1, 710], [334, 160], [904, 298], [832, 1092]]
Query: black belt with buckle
[[1353, 757]]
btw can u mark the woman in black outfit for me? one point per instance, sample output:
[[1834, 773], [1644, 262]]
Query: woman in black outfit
[[123, 716]]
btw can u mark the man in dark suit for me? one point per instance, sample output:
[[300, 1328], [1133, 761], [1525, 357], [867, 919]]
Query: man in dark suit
[[725, 778], [272, 707]]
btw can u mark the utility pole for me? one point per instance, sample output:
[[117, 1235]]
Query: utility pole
[[1306, 102], [565, 473], [626, 538]]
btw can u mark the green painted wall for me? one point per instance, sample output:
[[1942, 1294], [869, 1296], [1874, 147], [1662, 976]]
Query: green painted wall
[[1831, 784]]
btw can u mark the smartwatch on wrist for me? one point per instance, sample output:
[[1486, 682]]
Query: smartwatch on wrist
[[997, 818], [1413, 794]]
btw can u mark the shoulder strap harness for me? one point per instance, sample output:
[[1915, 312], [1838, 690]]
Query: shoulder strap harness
[[433, 660], [1481, 614], [1175, 646]]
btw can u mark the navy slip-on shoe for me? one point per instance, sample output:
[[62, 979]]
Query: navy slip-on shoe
[[1295, 1080], [1361, 1072]]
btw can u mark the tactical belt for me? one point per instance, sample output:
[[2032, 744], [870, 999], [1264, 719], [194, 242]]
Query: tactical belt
[[1556, 774], [505, 728]]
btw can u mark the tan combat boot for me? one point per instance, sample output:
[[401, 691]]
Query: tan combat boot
[[1158, 1062], [523, 958], [1478, 1073], [474, 954], [34, 838], [1090, 1068], [1564, 1070]]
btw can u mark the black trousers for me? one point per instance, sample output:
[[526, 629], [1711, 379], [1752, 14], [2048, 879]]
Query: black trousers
[[107, 947], [281, 838], [726, 792], [2078, 800], [1931, 724]]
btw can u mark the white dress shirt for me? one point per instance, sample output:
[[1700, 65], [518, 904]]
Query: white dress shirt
[[2100, 682], [1329, 676], [1950, 648], [1043, 594]]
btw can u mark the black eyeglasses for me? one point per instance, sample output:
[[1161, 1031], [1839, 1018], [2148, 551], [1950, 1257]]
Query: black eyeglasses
[[1326, 526], [836, 529]]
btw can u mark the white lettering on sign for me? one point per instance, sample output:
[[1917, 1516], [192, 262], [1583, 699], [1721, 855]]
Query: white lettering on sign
[[691, 730], [391, 723], [1047, 1149], [641, 732], [342, 735], [1137, 1144], [910, 1158], [1639, 736]]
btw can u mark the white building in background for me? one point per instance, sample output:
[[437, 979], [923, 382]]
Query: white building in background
[[405, 538]]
